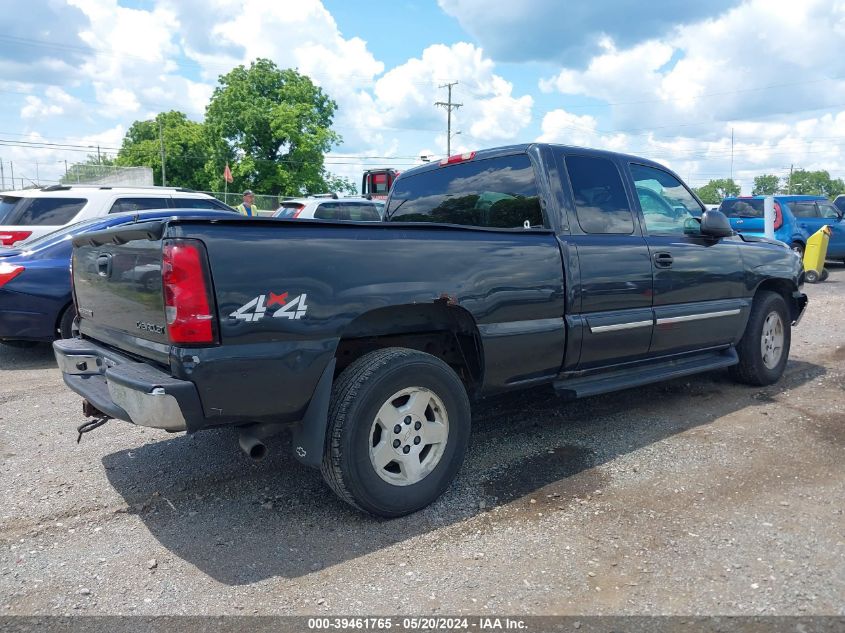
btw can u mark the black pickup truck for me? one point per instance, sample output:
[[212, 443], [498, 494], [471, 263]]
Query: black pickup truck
[[585, 270]]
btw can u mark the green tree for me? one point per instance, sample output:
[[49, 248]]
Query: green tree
[[765, 185], [185, 149], [717, 190], [815, 183], [273, 127]]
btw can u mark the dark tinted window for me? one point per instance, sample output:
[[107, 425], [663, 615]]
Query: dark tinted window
[[497, 193], [362, 212], [742, 208], [46, 211], [200, 203], [839, 203], [803, 209], [827, 210], [329, 211], [600, 200], [138, 204], [7, 205]]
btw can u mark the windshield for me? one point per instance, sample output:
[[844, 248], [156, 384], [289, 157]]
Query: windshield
[[7, 204]]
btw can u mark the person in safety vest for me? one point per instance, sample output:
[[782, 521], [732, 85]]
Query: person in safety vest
[[247, 207]]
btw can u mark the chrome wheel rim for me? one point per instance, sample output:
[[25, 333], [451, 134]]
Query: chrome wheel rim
[[408, 436], [771, 343]]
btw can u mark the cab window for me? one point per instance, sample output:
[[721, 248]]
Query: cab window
[[667, 205]]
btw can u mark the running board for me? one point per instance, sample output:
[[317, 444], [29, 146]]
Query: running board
[[605, 382]]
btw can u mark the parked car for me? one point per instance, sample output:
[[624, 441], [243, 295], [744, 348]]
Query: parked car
[[28, 214], [814, 214], [839, 202], [495, 270], [746, 217], [35, 293], [327, 208]]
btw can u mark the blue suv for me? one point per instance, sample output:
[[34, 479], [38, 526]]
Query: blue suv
[[746, 216]]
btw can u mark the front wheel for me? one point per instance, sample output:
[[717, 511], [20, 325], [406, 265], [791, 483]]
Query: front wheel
[[399, 425], [764, 347], [798, 247]]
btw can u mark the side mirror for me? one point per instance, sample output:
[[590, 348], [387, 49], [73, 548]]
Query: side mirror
[[716, 224]]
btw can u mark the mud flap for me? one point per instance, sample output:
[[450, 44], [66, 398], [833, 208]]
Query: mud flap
[[309, 436]]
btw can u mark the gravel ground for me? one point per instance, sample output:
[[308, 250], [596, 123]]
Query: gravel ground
[[696, 496]]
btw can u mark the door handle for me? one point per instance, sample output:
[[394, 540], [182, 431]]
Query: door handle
[[663, 260]]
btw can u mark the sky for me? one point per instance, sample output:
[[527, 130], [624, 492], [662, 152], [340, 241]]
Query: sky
[[672, 81]]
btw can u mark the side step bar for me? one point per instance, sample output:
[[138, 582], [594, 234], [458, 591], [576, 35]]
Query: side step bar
[[605, 382]]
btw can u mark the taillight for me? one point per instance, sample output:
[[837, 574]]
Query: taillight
[[8, 238], [778, 216], [187, 293], [9, 272], [457, 158]]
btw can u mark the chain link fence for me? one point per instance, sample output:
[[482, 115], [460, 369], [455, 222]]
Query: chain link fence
[[84, 174]]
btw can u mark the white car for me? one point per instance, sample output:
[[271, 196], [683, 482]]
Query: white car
[[326, 208], [28, 214]]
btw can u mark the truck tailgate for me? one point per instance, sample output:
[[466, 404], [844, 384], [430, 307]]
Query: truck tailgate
[[117, 281]]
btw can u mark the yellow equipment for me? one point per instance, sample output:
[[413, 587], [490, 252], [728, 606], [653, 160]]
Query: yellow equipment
[[814, 255]]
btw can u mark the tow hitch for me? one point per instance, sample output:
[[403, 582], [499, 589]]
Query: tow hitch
[[90, 411]]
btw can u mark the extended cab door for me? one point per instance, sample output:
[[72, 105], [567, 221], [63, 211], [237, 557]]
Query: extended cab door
[[699, 282], [612, 308]]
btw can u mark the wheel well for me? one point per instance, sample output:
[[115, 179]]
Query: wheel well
[[447, 332], [61, 314], [785, 289]]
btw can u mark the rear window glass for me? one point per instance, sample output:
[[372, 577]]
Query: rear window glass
[[751, 208], [289, 209], [46, 211], [122, 205], [7, 204], [496, 193], [803, 209]]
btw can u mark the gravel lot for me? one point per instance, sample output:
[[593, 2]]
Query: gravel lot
[[696, 496]]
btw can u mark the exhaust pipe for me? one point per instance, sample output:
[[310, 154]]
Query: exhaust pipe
[[252, 446]]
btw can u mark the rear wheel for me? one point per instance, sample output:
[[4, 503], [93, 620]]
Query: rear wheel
[[811, 276], [398, 430], [825, 274], [66, 322], [764, 347], [798, 247]]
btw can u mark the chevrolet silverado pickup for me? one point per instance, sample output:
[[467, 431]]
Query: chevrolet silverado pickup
[[584, 270]]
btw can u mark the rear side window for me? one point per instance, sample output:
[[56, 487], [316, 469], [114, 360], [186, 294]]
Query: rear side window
[[200, 203], [329, 211], [7, 205], [362, 212], [496, 193], [138, 204], [751, 208], [46, 211], [600, 201], [803, 209]]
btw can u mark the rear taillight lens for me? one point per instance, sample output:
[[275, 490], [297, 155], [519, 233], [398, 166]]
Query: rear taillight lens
[[187, 293], [778, 216], [9, 272], [9, 238]]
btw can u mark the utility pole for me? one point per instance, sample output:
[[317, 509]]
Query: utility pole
[[161, 144], [37, 176], [2, 176], [99, 161], [732, 153], [789, 186], [449, 107], [12, 167], [65, 168]]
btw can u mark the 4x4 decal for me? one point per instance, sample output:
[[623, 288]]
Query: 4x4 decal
[[261, 305]]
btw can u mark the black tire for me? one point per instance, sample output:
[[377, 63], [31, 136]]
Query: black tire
[[798, 247], [65, 328], [752, 370], [357, 396], [825, 274]]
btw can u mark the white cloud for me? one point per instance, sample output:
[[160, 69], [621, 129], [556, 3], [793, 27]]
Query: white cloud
[[56, 102]]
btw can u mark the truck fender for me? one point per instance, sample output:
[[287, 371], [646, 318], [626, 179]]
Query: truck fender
[[309, 436]]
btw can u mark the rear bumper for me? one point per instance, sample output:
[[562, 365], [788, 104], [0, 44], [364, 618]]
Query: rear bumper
[[128, 390]]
